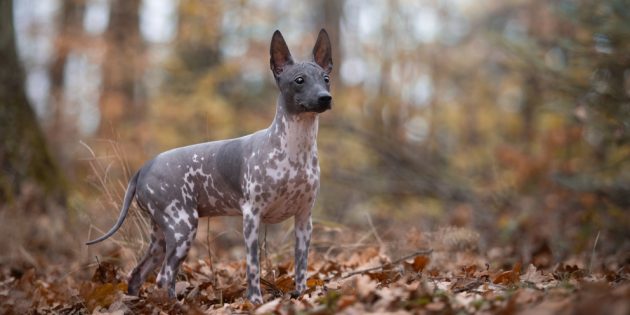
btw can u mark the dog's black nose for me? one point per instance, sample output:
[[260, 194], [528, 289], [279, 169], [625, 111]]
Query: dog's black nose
[[324, 98]]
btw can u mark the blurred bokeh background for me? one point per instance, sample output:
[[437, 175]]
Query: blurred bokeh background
[[509, 120]]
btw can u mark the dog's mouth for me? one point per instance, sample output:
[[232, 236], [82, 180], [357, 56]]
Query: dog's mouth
[[317, 108]]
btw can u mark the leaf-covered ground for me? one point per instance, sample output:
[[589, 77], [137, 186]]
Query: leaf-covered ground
[[449, 278]]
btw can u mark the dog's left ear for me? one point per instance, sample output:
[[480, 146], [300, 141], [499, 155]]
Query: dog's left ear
[[322, 52]]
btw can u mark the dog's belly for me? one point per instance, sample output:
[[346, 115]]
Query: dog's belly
[[215, 198], [218, 207], [284, 208]]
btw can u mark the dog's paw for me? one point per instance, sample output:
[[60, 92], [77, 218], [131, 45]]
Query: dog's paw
[[256, 299], [294, 294]]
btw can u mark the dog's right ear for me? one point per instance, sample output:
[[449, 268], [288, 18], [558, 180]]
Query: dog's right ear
[[280, 55]]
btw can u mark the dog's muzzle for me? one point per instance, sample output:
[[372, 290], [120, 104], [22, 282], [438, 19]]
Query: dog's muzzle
[[324, 102]]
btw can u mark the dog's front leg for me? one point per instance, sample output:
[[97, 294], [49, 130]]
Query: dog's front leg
[[303, 228], [251, 223]]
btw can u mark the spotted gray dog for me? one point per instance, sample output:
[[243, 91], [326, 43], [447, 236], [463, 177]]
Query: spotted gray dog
[[268, 176]]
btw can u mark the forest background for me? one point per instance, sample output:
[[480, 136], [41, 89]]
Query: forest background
[[485, 125]]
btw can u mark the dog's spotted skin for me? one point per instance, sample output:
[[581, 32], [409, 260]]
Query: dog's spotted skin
[[268, 177]]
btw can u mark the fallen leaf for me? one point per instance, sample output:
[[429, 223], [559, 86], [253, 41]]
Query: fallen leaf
[[365, 285], [469, 271], [232, 292], [535, 276], [269, 307], [566, 272], [285, 283], [103, 295], [181, 287], [313, 282], [418, 264], [385, 276], [345, 301], [527, 295], [509, 277], [106, 272]]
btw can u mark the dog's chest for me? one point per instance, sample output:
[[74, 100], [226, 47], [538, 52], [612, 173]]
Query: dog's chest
[[286, 180], [293, 192]]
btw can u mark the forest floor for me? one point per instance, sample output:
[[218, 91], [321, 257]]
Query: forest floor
[[350, 272]]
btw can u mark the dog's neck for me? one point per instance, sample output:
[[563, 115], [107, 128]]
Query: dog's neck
[[296, 133]]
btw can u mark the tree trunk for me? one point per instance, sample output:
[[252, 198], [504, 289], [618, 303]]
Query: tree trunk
[[199, 35], [60, 133], [331, 13], [528, 112], [24, 157], [123, 98]]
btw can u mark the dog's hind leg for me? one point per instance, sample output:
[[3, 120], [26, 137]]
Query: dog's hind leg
[[179, 235], [151, 260]]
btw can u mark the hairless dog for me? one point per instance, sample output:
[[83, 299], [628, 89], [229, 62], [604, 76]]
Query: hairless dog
[[268, 176]]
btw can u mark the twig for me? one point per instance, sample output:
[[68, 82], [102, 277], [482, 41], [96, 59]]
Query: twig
[[469, 286], [395, 262], [590, 263], [356, 244], [214, 275], [378, 238], [208, 239]]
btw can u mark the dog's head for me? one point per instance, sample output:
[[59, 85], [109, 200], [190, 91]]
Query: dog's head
[[305, 86]]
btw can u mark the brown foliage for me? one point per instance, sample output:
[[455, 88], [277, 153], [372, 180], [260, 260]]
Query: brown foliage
[[358, 283]]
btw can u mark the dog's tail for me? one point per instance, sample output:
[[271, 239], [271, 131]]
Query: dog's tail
[[131, 191]]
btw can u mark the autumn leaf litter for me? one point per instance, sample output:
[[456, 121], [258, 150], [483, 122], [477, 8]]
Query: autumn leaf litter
[[366, 280]]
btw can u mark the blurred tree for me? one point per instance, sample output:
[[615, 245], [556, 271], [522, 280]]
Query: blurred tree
[[199, 35], [24, 157], [583, 77], [123, 96], [189, 108], [69, 39], [329, 17]]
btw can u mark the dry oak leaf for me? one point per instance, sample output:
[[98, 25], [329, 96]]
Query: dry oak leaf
[[469, 271], [385, 276], [103, 295], [509, 277], [285, 283], [534, 276], [314, 282], [565, 272], [232, 292], [418, 264]]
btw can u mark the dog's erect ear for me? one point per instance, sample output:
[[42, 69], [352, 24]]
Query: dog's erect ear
[[280, 55], [322, 52]]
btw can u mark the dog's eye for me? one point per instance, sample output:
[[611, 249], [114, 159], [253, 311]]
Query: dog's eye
[[326, 79], [299, 80]]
